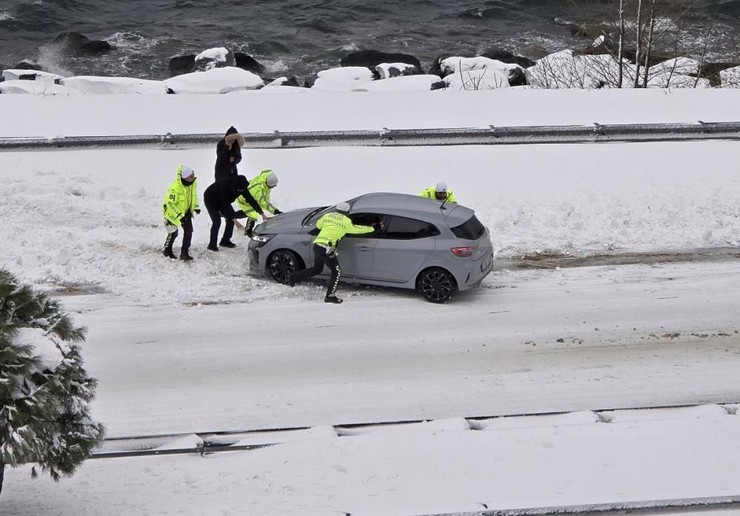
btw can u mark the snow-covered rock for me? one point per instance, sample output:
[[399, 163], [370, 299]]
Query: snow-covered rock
[[730, 77], [390, 70], [477, 73], [346, 78], [211, 58], [216, 80], [404, 83], [452, 65], [565, 69], [91, 84], [34, 75], [36, 88], [475, 80]]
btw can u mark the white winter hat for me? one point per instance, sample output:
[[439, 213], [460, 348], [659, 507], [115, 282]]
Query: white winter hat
[[441, 187], [271, 180], [186, 172], [343, 207]]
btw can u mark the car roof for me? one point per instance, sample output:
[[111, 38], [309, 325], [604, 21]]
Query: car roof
[[410, 206]]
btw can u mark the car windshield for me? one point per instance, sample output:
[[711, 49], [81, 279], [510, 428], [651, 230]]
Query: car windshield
[[471, 229], [308, 218]]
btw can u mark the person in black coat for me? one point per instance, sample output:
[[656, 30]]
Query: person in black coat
[[228, 153], [218, 199]]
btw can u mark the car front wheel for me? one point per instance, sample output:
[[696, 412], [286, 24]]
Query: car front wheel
[[282, 263], [436, 285]]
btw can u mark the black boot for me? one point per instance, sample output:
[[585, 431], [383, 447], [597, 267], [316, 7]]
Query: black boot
[[185, 256], [333, 299], [227, 243], [248, 227], [167, 251]]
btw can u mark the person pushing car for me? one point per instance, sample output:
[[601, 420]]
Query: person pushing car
[[332, 228], [218, 198], [260, 188], [440, 193]]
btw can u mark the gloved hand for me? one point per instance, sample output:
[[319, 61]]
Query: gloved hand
[[276, 212], [171, 228], [331, 252]]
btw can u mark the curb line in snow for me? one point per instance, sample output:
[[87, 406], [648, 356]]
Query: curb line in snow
[[709, 503], [224, 441]]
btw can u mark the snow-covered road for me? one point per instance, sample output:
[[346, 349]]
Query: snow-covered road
[[531, 341], [204, 347]]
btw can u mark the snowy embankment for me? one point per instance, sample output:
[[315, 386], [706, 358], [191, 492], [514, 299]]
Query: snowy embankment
[[560, 464]]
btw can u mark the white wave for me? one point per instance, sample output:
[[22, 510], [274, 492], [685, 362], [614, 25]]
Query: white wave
[[275, 66], [127, 40], [350, 47], [50, 59]]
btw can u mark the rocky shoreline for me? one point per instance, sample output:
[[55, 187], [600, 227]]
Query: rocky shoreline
[[593, 67]]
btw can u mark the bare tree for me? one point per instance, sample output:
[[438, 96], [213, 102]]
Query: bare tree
[[638, 42], [620, 49], [645, 32]]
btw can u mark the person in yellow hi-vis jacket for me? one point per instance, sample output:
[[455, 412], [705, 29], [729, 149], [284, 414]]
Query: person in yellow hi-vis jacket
[[332, 228], [179, 204], [439, 192], [260, 187]]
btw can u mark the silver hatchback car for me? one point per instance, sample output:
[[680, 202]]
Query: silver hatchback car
[[427, 245]]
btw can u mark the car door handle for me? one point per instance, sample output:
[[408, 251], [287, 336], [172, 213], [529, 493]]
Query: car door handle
[[364, 248]]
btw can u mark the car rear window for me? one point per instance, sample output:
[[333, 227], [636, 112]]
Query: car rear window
[[471, 229]]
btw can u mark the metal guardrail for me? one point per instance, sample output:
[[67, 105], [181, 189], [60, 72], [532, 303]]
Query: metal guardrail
[[491, 135]]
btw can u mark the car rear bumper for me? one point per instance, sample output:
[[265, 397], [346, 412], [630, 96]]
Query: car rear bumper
[[479, 269]]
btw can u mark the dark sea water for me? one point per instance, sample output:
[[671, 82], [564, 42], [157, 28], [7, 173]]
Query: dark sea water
[[300, 38]]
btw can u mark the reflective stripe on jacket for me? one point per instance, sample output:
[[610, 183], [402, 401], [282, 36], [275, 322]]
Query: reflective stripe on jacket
[[180, 199], [430, 194], [333, 226], [261, 193]]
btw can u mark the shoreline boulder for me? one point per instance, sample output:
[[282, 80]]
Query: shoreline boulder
[[76, 43]]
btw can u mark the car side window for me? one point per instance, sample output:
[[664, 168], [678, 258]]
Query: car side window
[[364, 219], [403, 228]]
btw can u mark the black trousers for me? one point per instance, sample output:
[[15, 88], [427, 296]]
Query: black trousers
[[321, 259], [187, 235], [216, 215]]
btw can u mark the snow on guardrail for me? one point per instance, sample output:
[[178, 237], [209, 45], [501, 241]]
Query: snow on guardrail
[[491, 135]]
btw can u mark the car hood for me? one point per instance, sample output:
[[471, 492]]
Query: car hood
[[288, 222]]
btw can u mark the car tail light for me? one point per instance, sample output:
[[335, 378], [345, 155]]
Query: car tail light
[[462, 252]]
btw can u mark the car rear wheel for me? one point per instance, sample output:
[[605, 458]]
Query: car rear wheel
[[436, 285], [281, 263]]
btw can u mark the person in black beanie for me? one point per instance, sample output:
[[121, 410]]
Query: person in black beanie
[[218, 199], [228, 153]]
